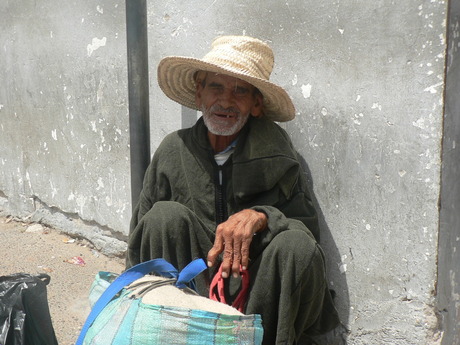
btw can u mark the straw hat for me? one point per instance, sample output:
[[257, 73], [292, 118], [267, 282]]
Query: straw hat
[[243, 57]]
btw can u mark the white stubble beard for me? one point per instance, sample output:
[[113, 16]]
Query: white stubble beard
[[215, 128]]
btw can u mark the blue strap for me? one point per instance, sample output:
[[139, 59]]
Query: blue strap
[[190, 272], [159, 266]]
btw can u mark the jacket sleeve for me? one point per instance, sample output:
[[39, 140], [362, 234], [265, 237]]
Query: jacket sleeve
[[281, 191], [145, 202], [155, 186]]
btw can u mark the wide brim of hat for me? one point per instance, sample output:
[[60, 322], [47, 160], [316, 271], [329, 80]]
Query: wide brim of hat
[[176, 80]]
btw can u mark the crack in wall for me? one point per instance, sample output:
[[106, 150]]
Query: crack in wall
[[105, 239], [75, 217]]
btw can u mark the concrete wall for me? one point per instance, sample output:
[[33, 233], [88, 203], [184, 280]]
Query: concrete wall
[[63, 116], [367, 78], [449, 235]]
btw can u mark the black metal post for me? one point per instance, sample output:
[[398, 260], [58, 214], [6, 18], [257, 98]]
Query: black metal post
[[138, 89]]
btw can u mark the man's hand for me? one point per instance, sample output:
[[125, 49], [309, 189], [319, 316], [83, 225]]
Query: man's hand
[[233, 237]]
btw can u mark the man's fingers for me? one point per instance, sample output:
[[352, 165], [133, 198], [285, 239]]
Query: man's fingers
[[236, 260], [215, 250], [233, 238], [227, 259], [245, 254]]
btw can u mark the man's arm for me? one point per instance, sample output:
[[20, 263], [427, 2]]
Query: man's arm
[[235, 236]]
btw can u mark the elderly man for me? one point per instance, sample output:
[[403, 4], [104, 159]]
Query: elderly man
[[231, 190]]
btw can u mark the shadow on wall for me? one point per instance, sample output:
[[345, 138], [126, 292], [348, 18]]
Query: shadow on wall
[[340, 288]]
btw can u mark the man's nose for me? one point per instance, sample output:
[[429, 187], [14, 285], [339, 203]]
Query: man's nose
[[227, 97]]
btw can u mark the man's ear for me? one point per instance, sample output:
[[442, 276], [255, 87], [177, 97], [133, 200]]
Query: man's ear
[[257, 109]]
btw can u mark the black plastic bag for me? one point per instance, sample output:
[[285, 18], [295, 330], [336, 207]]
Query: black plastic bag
[[24, 313]]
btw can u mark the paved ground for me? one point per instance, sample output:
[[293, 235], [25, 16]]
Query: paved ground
[[71, 263]]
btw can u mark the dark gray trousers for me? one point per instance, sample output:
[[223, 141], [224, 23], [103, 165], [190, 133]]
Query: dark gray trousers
[[287, 275]]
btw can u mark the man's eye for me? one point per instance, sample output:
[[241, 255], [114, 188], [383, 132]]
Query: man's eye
[[216, 87]]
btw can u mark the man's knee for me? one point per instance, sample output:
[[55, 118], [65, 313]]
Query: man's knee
[[293, 242], [165, 216], [296, 248], [166, 211], [163, 209]]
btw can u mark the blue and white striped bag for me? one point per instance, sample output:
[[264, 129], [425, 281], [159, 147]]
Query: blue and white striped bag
[[128, 321]]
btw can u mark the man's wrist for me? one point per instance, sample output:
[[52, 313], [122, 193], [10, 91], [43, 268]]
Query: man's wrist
[[262, 222]]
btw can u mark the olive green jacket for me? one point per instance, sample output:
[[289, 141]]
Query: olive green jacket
[[263, 173]]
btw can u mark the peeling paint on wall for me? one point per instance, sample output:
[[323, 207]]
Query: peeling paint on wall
[[306, 90], [96, 43]]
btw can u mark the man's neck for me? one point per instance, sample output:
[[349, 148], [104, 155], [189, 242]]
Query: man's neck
[[219, 142]]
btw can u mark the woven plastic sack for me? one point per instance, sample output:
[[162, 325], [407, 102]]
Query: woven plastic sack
[[101, 282], [129, 321]]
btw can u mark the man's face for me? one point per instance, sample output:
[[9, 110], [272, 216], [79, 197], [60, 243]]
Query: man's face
[[226, 103]]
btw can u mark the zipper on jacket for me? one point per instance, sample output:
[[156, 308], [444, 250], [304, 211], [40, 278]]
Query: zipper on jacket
[[221, 205]]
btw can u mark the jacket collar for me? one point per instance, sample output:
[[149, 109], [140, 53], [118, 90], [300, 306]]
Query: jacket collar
[[264, 159]]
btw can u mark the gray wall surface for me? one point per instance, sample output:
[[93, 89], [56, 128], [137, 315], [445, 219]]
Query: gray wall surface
[[367, 78], [449, 235], [64, 116]]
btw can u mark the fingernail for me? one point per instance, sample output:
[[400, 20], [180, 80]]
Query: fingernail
[[235, 275], [244, 268], [209, 264], [224, 275]]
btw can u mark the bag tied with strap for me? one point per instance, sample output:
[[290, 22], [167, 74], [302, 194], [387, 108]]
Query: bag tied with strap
[[124, 315]]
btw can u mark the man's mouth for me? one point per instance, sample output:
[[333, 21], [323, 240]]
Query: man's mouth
[[226, 116], [224, 113]]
